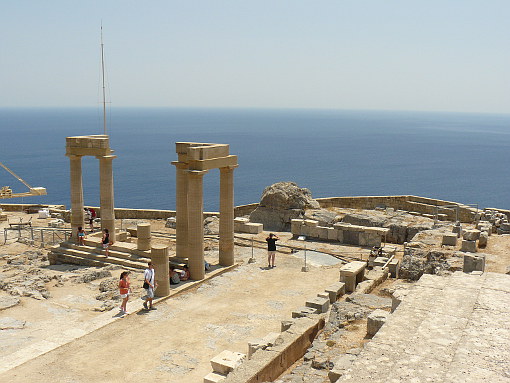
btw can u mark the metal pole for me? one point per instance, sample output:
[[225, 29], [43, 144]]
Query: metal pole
[[42, 237]]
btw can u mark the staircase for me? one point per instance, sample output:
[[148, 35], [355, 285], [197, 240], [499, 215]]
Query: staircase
[[124, 254]]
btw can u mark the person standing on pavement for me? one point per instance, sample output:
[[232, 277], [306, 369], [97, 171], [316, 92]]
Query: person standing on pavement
[[271, 249], [149, 286]]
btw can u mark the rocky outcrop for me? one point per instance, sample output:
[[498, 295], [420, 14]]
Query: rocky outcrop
[[280, 203], [211, 225]]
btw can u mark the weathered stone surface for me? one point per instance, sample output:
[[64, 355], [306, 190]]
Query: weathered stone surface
[[403, 227], [375, 321], [449, 240], [280, 203], [468, 246], [226, 361], [473, 262], [171, 222], [7, 323], [324, 217], [370, 301], [92, 275], [471, 235], [318, 303], [417, 261], [484, 238], [6, 302]]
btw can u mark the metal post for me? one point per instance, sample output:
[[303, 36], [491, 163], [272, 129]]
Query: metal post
[[32, 233], [42, 237], [252, 259]]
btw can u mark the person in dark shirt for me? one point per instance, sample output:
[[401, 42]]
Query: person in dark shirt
[[271, 249]]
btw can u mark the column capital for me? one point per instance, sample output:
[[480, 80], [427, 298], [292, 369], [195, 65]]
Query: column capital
[[74, 156], [227, 168]]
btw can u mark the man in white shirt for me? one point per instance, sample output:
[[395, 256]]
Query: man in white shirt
[[150, 280]]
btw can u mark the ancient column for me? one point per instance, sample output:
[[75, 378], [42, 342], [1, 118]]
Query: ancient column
[[143, 236], [227, 216], [77, 214], [159, 258], [196, 224], [181, 209], [106, 194]]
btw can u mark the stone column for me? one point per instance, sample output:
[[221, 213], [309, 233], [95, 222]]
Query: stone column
[[227, 216], [196, 224], [181, 210], [143, 236], [106, 194], [77, 214], [159, 258]]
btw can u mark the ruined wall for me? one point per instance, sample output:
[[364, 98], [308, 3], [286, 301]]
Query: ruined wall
[[417, 204]]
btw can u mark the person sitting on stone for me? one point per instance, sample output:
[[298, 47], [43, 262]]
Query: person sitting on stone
[[174, 276], [185, 274]]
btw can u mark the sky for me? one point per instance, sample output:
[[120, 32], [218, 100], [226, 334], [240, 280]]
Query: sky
[[427, 55]]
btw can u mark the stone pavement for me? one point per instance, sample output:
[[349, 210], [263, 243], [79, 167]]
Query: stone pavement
[[447, 329]]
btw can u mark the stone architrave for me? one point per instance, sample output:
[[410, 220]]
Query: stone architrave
[[97, 146], [194, 160]]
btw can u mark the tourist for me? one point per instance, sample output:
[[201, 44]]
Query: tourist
[[106, 242], [174, 276], [185, 275], [81, 236], [88, 215], [271, 249], [149, 285], [93, 216], [124, 290]]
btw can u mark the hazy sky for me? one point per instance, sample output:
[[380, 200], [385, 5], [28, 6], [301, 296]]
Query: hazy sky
[[451, 55]]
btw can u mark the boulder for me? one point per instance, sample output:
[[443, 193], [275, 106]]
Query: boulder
[[280, 203], [211, 225], [418, 261]]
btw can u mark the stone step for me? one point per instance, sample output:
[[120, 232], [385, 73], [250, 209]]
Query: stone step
[[94, 258], [113, 253]]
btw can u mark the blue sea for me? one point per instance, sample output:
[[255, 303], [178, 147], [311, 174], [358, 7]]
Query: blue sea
[[451, 156]]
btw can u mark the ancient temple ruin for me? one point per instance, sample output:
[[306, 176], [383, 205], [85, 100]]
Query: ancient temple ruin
[[99, 147], [194, 160]]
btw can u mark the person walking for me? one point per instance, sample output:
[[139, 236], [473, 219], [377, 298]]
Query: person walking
[[271, 249], [149, 285], [124, 290]]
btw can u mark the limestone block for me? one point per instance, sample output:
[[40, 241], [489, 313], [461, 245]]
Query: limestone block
[[332, 234], [271, 339], [244, 220], [449, 240], [473, 262], [323, 232], [143, 244], [226, 361], [314, 232], [373, 239], [311, 223], [469, 246], [340, 365], [340, 235], [505, 226], [214, 377], [471, 235], [286, 324], [323, 295], [295, 226], [457, 228], [376, 320], [393, 266], [363, 239], [335, 291], [122, 236], [303, 312], [366, 287], [305, 230], [3, 217], [143, 230], [318, 303], [380, 261], [484, 237], [253, 228]]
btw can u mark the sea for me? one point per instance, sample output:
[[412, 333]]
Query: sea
[[461, 157]]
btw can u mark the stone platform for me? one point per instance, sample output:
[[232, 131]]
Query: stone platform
[[447, 329]]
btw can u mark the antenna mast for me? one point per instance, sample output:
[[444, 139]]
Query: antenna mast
[[102, 71]]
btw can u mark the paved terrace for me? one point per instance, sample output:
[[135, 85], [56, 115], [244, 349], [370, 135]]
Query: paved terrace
[[453, 329]]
